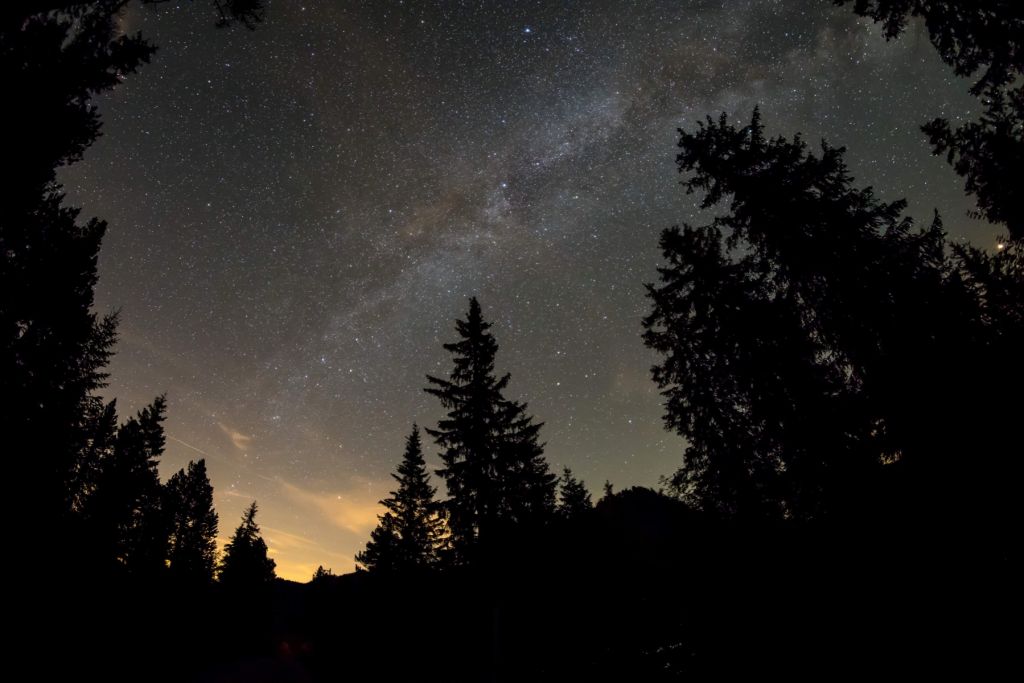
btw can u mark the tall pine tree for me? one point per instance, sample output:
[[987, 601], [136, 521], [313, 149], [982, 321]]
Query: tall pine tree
[[192, 552], [814, 339], [411, 532], [494, 467], [573, 496], [125, 513], [246, 565]]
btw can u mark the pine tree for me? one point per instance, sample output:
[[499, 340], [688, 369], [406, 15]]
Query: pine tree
[[126, 513], [803, 330], [53, 347], [494, 467], [56, 56], [245, 565], [188, 497], [410, 533], [98, 446], [573, 496]]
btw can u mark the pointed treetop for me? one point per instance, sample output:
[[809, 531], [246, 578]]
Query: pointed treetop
[[573, 497], [246, 562], [409, 533]]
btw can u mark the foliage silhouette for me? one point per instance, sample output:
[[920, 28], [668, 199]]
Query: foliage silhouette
[[126, 513], [803, 330], [56, 56], [410, 533], [100, 529], [985, 36], [573, 497], [188, 498], [826, 361], [494, 467], [322, 574], [245, 566]]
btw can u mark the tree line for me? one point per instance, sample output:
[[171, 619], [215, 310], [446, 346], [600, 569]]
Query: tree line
[[494, 469]]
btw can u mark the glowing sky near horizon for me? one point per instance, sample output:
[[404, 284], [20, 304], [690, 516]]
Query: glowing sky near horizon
[[298, 214]]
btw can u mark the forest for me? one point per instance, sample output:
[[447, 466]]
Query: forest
[[845, 382]]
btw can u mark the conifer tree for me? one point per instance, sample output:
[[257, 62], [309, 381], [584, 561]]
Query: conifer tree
[[573, 496], [410, 532], [126, 512], [56, 56], [803, 330], [53, 347], [494, 467], [98, 446], [245, 564], [188, 496]]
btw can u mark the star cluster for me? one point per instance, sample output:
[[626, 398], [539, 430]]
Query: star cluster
[[299, 213]]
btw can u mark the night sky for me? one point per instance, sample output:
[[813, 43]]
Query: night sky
[[298, 214]]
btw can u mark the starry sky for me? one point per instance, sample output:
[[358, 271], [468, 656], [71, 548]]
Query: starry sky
[[298, 214]]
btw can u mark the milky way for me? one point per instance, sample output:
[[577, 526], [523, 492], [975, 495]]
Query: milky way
[[299, 213]]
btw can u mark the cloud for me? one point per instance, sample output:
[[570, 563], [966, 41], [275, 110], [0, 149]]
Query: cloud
[[355, 511], [240, 440], [279, 539]]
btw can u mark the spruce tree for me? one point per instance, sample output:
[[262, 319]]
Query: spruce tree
[[125, 512], [573, 496], [245, 565], [494, 467], [53, 347], [410, 532], [803, 333], [188, 497]]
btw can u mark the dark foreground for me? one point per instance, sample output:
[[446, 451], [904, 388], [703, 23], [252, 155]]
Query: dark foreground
[[641, 589]]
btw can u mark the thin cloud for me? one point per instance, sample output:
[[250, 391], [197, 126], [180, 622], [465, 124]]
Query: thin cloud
[[353, 511], [238, 439]]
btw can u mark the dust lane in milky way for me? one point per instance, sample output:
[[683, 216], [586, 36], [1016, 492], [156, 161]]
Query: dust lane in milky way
[[298, 214]]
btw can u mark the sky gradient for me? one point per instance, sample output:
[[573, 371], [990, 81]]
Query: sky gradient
[[298, 214]]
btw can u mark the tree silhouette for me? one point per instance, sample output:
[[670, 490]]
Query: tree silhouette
[[803, 330], [54, 347], [98, 446], [245, 565], [410, 532], [192, 520], [985, 36], [55, 57], [126, 512], [494, 466], [573, 497], [322, 574]]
